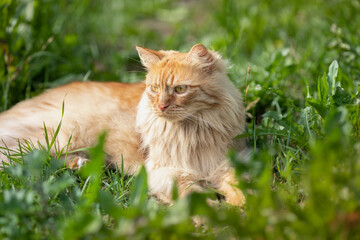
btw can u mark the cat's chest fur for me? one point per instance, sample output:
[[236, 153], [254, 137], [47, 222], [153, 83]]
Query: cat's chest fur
[[190, 145]]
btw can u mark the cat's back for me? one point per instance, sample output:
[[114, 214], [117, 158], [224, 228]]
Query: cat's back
[[126, 94], [85, 108], [82, 95], [77, 100]]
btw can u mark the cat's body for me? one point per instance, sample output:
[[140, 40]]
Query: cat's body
[[89, 109], [180, 123]]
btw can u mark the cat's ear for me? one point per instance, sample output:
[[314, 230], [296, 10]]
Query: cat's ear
[[149, 57], [200, 55]]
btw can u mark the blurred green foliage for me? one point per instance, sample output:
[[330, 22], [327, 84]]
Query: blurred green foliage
[[297, 64]]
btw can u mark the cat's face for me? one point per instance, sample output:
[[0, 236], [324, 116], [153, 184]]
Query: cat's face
[[177, 84]]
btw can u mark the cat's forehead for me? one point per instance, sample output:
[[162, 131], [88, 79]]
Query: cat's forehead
[[171, 71]]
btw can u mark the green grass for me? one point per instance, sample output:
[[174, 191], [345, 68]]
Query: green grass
[[297, 64]]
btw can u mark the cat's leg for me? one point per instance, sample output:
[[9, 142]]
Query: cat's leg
[[187, 184], [161, 182], [226, 183], [233, 195], [123, 148], [76, 160]]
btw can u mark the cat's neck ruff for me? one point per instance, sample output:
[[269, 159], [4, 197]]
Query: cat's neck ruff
[[198, 144]]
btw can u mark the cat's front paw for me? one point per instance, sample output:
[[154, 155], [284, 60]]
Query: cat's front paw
[[235, 197], [77, 162]]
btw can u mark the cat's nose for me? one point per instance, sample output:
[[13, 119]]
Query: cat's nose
[[162, 107]]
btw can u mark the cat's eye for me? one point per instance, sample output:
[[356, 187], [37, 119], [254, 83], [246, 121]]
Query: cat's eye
[[180, 89], [154, 88]]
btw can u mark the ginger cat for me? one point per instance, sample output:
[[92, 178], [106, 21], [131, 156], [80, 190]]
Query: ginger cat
[[179, 123]]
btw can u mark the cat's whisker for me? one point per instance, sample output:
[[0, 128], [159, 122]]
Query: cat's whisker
[[201, 119], [190, 119], [181, 113]]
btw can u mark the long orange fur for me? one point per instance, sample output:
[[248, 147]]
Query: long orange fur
[[180, 136]]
